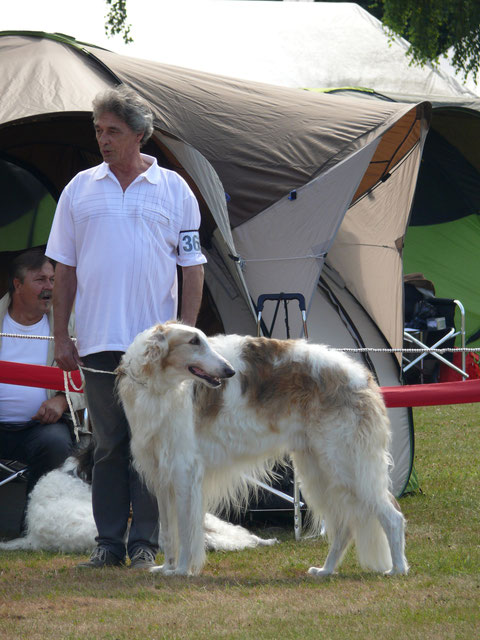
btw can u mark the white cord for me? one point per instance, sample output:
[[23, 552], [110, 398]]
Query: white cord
[[346, 349]]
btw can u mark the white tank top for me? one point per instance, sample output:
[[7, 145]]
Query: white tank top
[[18, 403]]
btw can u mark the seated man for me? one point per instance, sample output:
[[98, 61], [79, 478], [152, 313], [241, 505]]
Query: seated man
[[33, 427]]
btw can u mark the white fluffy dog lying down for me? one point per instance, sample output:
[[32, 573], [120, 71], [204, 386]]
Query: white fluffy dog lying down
[[59, 518]]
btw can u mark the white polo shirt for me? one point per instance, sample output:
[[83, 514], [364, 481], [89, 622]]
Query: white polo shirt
[[125, 247]]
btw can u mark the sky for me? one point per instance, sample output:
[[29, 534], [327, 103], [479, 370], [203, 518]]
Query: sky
[[160, 28], [82, 19]]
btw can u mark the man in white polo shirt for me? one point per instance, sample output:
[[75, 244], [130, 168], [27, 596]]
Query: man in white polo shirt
[[33, 427], [120, 230]]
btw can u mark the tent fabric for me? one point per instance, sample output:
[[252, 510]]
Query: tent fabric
[[330, 45], [340, 316], [431, 249], [262, 141], [372, 238], [267, 140], [293, 44], [266, 241], [260, 145], [290, 138]]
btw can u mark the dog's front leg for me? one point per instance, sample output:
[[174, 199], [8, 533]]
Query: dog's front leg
[[168, 529], [190, 517]]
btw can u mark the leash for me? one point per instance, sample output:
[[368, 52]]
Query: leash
[[67, 383]]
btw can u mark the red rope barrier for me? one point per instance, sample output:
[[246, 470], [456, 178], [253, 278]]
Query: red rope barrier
[[421, 395], [35, 375], [429, 395]]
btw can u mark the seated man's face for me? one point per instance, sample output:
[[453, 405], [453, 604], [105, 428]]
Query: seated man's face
[[35, 292]]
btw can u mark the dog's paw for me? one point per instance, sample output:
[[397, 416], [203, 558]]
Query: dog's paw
[[319, 572], [169, 570], [165, 569], [396, 571]]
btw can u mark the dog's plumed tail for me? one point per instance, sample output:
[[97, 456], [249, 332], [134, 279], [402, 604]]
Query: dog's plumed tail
[[372, 547], [350, 494]]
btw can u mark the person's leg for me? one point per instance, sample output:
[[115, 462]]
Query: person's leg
[[115, 485], [43, 447], [144, 528]]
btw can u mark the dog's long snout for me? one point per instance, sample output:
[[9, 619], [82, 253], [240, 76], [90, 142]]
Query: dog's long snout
[[228, 371]]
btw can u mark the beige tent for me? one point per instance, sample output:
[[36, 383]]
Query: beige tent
[[280, 174]]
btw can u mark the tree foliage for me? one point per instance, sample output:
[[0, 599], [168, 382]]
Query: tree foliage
[[116, 20], [432, 27]]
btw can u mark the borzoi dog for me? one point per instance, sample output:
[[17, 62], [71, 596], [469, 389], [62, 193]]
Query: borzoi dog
[[195, 441]]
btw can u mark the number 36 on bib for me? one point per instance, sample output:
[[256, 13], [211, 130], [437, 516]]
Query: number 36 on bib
[[189, 243]]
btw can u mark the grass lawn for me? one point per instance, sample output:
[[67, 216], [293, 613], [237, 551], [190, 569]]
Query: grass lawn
[[265, 593]]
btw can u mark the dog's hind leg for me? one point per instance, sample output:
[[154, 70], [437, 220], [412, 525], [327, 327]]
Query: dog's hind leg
[[340, 541], [314, 485], [393, 523]]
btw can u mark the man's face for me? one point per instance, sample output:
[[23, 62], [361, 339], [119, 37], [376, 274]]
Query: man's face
[[34, 294], [118, 144]]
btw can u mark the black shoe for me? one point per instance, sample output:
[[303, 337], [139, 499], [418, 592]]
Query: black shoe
[[143, 559], [101, 557]]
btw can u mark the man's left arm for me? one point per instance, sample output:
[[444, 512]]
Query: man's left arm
[[192, 289]]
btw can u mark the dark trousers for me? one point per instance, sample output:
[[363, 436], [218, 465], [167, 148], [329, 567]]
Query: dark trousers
[[116, 486], [42, 447]]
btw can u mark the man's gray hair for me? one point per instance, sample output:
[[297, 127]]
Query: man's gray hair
[[127, 105]]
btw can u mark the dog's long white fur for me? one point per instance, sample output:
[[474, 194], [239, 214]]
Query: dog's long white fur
[[193, 444]]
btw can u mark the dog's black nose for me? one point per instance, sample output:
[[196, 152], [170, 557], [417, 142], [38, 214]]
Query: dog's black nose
[[228, 372]]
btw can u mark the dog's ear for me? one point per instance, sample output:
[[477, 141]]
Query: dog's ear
[[156, 346]]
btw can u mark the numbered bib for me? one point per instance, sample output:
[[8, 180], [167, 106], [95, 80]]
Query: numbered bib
[[189, 243]]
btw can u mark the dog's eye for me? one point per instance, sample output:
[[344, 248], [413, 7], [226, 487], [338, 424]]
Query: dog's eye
[[195, 340]]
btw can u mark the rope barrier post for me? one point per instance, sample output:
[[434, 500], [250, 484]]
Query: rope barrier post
[[462, 333]]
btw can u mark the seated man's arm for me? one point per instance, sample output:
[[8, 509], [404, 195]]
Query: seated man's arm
[[51, 410]]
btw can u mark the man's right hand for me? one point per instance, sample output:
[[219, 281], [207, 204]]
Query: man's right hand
[[66, 354]]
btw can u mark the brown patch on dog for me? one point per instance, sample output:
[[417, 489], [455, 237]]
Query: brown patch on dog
[[154, 349], [147, 369], [277, 385], [174, 341], [208, 403], [120, 371]]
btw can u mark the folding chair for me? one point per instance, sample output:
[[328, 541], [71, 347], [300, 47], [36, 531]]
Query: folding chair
[[13, 497], [11, 470], [430, 324], [267, 332]]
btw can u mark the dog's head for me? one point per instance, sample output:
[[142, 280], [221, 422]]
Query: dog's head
[[175, 352]]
